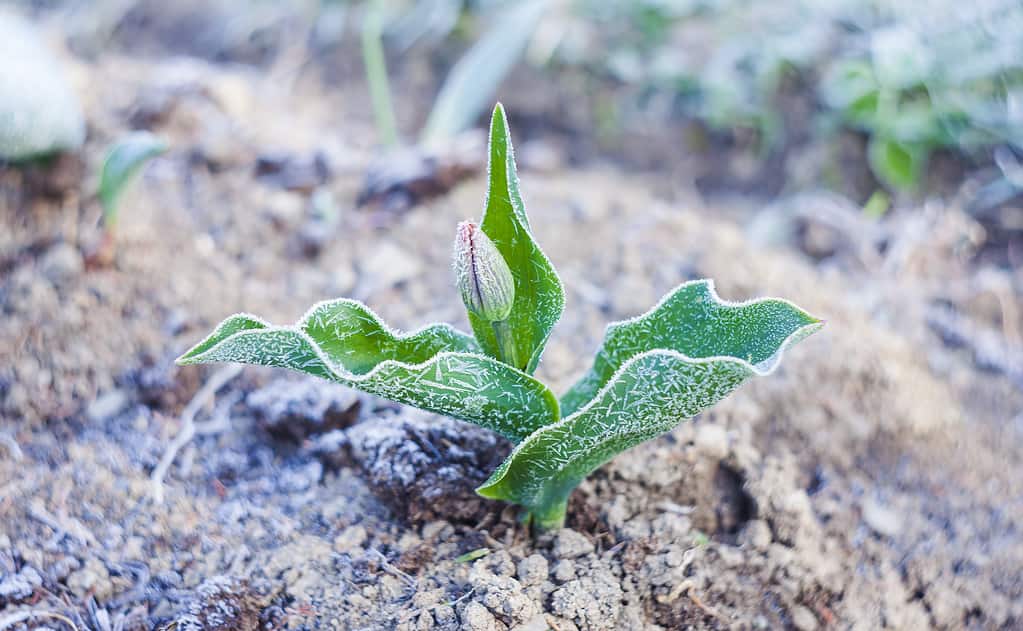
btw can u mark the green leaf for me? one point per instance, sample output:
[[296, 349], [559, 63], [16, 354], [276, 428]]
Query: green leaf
[[436, 368], [651, 394], [647, 396], [539, 296], [895, 163], [694, 321], [124, 160]]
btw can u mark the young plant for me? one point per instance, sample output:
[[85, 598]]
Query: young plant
[[651, 372], [124, 161]]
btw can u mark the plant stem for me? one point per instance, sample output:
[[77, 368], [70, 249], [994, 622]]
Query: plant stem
[[550, 516], [506, 343], [376, 73]]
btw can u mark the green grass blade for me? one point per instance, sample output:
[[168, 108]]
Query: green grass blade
[[539, 295]]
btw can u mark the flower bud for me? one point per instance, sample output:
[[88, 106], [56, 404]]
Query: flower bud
[[484, 278]]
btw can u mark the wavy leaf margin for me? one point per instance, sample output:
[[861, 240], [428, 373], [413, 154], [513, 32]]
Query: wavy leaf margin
[[648, 395], [460, 382]]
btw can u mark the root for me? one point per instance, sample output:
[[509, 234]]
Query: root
[[188, 427]]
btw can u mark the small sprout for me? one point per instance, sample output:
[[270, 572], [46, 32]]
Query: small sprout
[[123, 162], [652, 372], [472, 555]]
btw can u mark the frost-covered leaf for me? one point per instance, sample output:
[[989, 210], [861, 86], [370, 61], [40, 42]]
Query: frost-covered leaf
[[539, 296], [694, 321], [437, 368], [649, 394], [39, 113], [124, 160]]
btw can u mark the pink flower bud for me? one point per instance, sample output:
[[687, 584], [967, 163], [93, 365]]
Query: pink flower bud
[[483, 277]]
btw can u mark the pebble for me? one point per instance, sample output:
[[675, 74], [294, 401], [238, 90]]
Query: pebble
[[302, 173], [712, 440], [803, 619], [532, 570], [444, 615], [756, 534], [730, 556], [476, 617], [387, 265], [61, 263], [880, 518], [564, 570], [350, 539], [536, 623], [570, 544], [92, 579], [21, 585], [107, 406]]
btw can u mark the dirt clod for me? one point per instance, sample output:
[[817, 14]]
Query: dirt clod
[[427, 467]]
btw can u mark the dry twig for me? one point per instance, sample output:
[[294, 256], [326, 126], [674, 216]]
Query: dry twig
[[188, 428], [22, 616]]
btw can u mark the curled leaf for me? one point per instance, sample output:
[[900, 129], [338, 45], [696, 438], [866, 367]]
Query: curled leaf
[[436, 368], [694, 321]]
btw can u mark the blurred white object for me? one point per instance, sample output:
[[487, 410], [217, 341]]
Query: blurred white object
[[39, 114]]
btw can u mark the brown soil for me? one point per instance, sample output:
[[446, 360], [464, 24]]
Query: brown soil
[[875, 481]]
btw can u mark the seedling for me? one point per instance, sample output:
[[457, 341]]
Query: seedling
[[124, 161], [653, 371]]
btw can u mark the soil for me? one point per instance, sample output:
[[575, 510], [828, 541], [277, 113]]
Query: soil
[[875, 481]]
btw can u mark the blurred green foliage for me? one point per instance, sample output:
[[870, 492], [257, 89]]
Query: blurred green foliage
[[914, 77]]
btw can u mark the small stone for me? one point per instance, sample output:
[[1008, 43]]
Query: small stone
[[21, 585], [881, 519], [92, 579], [593, 601], [350, 539], [570, 544], [712, 441], [536, 623], [564, 570], [476, 617], [106, 406], [532, 570], [803, 619], [730, 555], [303, 173], [444, 615], [756, 534], [437, 530], [61, 263]]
